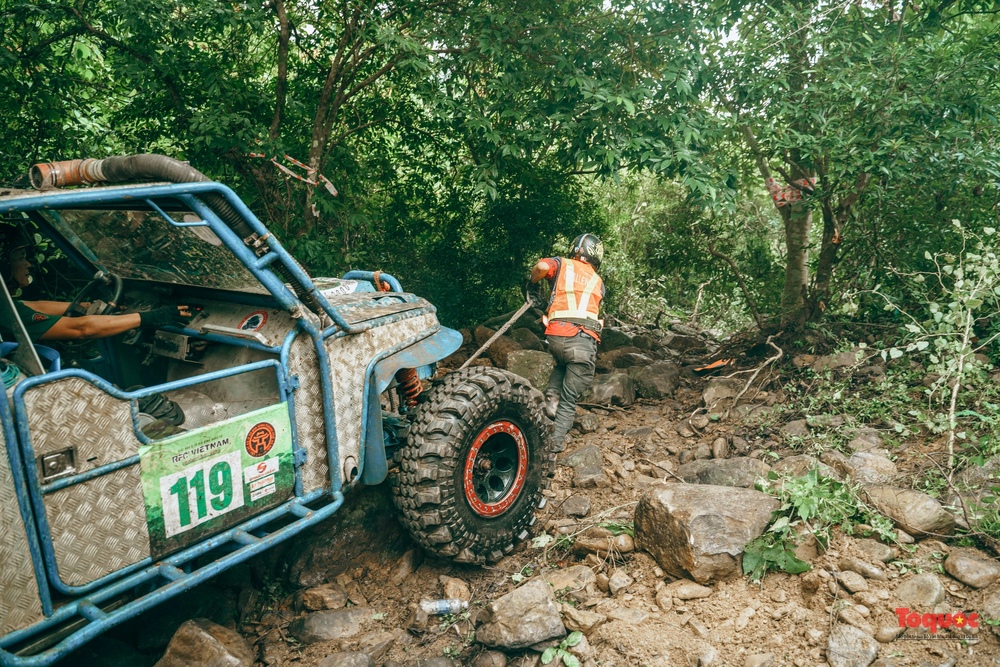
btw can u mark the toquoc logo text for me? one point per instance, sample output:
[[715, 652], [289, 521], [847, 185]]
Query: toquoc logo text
[[913, 619]]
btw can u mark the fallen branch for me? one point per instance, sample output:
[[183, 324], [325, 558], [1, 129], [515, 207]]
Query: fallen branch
[[767, 362]]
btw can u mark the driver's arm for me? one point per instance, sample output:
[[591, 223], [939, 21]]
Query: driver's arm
[[91, 326], [48, 307]]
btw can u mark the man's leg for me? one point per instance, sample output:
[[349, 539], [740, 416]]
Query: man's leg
[[580, 354], [554, 388]]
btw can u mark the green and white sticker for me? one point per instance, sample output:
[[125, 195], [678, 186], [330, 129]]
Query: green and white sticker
[[204, 481]]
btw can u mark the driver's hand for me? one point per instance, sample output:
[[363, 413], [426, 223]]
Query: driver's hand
[[165, 316]]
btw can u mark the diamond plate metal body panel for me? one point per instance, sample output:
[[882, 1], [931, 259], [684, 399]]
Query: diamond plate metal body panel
[[302, 362], [19, 602], [349, 359], [99, 526]]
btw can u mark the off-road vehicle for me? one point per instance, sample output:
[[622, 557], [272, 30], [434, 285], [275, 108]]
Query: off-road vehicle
[[134, 467]]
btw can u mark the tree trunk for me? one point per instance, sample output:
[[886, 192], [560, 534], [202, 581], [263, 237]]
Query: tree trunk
[[798, 223]]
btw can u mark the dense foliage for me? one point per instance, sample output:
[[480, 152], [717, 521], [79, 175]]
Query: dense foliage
[[467, 139]]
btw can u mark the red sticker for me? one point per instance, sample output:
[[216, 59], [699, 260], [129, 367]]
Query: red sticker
[[38, 317], [260, 439], [254, 321]]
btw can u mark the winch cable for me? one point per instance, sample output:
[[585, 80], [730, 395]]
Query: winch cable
[[501, 331]]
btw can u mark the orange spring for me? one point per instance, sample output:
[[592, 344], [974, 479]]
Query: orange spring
[[409, 386]]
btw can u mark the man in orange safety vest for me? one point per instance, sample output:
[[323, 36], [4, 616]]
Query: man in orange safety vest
[[572, 327]]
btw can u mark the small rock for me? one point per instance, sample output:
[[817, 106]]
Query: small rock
[[629, 615], [889, 633], [699, 421], [525, 616], [490, 659], [800, 465], [602, 546], [852, 581], [455, 589], [322, 626], [603, 582], [591, 478], [703, 656], [584, 457], [865, 439], [576, 505], [719, 389], [202, 642], [875, 550], [795, 429], [740, 471], [684, 429], [850, 647], [872, 468], [406, 565], [720, 448], [418, 620], [921, 591], [864, 569], [326, 596], [684, 589], [570, 579], [664, 600], [974, 572], [587, 422], [916, 513], [702, 452], [852, 616], [346, 659], [759, 660], [619, 581], [832, 362], [581, 620], [699, 531]]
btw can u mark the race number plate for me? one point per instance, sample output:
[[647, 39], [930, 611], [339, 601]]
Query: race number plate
[[198, 483]]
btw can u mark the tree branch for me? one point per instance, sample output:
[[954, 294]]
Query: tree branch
[[739, 279]]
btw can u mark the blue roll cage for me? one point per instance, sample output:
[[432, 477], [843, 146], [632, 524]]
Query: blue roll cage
[[177, 573]]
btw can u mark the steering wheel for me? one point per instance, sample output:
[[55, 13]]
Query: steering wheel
[[107, 285]]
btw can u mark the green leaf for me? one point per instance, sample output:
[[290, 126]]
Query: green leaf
[[574, 638], [549, 655], [570, 660], [895, 353]]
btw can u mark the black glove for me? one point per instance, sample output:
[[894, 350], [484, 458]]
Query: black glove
[[533, 293], [164, 316]]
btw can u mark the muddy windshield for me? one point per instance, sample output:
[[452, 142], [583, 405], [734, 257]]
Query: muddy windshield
[[143, 245]]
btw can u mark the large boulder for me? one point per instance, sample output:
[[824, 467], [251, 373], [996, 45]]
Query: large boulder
[[526, 616], [533, 365], [916, 513], [527, 339], [699, 531], [740, 471], [657, 380], [614, 389], [612, 339], [202, 642]]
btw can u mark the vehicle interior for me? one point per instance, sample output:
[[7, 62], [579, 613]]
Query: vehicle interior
[[138, 256]]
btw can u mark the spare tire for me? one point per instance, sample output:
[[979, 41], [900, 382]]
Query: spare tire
[[476, 461]]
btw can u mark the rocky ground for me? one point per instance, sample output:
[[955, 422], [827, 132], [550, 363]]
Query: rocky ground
[[638, 548]]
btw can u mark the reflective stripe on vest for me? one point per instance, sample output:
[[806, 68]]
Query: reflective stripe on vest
[[566, 302]]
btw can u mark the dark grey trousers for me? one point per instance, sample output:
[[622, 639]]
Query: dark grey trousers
[[575, 362]]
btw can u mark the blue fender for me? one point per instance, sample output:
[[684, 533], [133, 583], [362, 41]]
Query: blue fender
[[430, 350]]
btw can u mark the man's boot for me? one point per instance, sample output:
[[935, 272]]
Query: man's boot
[[551, 405]]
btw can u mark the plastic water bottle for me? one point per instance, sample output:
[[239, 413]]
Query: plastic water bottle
[[439, 607]]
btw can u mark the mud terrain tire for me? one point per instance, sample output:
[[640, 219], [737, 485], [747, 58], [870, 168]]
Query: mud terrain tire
[[476, 461]]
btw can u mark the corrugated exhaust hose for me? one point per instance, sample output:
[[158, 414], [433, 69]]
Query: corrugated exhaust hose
[[151, 167]]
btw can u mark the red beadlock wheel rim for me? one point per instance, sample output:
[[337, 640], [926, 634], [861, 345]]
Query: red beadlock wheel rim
[[495, 468]]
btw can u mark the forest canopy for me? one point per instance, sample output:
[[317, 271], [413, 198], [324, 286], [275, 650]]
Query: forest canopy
[[768, 163]]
